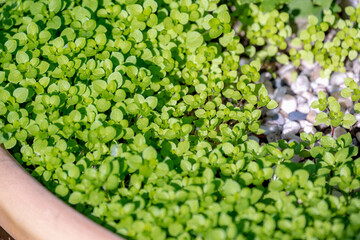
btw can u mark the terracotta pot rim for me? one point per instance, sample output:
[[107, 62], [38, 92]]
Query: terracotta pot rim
[[29, 211]]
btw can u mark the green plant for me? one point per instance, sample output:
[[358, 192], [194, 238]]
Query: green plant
[[335, 116], [136, 113]]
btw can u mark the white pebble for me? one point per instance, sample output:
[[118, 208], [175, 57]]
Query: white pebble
[[303, 108], [304, 123], [288, 104], [337, 78], [308, 96], [309, 130], [311, 116], [301, 84], [322, 81], [291, 127]]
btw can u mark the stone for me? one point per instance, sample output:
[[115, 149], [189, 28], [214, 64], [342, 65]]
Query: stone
[[308, 96], [356, 68], [352, 3], [358, 136], [279, 83], [300, 99], [244, 61], [297, 159], [291, 137], [295, 116], [355, 142], [337, 79], [336, 95], [345, 102], [316, 72], [311, 116], [269, 87], [277, 119], [309, 130], [285, 73], [302, 84], [265, 76], [303, 108], [288, 103], [271, 128], [339, 131], [291, 127], [322, 81], [279, 93], [272, 112], [304, 123], [318, 88], [334, 89], [273, 137], [314, 85]]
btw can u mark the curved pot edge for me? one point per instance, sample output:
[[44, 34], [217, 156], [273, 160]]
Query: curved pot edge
[[29, 211]]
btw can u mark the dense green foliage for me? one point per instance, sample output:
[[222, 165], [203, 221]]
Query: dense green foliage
[[138, 115]]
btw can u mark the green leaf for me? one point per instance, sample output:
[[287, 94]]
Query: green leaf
[[33, 29], [329, 159], [175, 229], [75, 198], [152, 101], [100, 39], [117, 77], [325, 4], [11, 45], [353, 54], [357, 107], [283, 59], [149, 153], [102, 105], [108, 134], [328, 142], [61, 190], [348, 120], [137, 35], [69, 34], [81, 14], [116, 115], [55, 6], [227, 38], [313, 20], [99, 85], [194, 39], [346, 92], [272, 104], [322, 118], [230, 187], [303, 8], [22, 57], [228, 148], [134, 9], [216, 234], [90, 4], [21, 94], [15, 76], [341, 155], [10, 143], [134, 162]]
